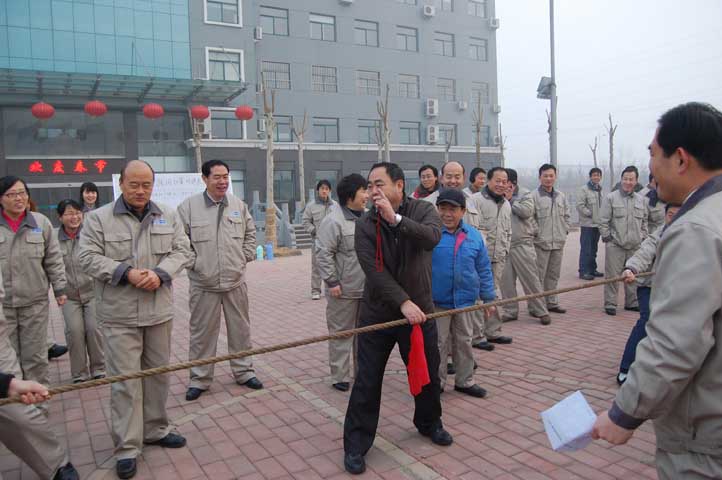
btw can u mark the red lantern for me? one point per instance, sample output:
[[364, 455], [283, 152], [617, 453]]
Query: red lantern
[[153, 111], [95, 108], [42, 110], [200, 112], [244, 112]]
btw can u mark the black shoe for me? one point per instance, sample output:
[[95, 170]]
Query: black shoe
[[172, 440], [253, 383], [611, 311], [587, 276], [545, 319], [193, 393], [484, 346], [632, 309], [66, 472], [500, 340], [557, 310], [597, 274], [475, 365], [474, 391], [440, 436], [98, 377], [450, 369], [354, 463], [126, 468], [56, 351], [341, 386], [508, 318]]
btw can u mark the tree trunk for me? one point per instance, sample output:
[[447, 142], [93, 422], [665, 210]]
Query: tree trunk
[[301, 176], [270, 205]]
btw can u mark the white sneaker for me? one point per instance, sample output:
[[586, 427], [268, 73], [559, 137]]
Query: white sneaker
[[315, 296], [621, 378]]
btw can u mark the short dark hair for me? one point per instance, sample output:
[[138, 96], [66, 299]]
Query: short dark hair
[[632, 169], [595, 170], [392, 170], [322, 183], [490, 173], [696, 127], [88, 187], [429, 167], [513, 176], [545, 167], [463, 170], [122, 170], [474, 172], [64, 204], [208, 166], [348, 186], [7, 182]]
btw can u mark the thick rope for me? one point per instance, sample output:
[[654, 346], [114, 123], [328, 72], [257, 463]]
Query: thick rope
[[308, 341]]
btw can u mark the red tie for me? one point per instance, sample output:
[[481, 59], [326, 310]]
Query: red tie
[[417, 368]]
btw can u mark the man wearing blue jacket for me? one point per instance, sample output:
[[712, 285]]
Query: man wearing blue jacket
[[461, 274]]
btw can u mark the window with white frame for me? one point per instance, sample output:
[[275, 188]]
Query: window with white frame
[[446, 89], [409, 133], [368, 82], [323, 27], [325, 130], [407, 38], [367, 131], [366, 33], [444, 5], [224, 124], [479, 89], [274, 21], [276, 75], [444, 44], [223, 11], [447, 132], [324, 79], [224, 65], [477, 8], [282, 131], [408, 86], [284, 186], [478, 49], [485, 139]]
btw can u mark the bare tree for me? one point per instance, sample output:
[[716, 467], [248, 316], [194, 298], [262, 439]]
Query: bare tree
[[300, 132], [478, 119], [269, 107], [611, 130], [449, 143], [549, 132], [502, 146], [594, 151], [379, 135], [383, 109]]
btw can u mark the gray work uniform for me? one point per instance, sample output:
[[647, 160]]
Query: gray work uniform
[[589, 202], [551, 212], [30, 259], [522, 262], [656, 213], [338, 265], [223, 240], [24, 429], [313, 214], [136, 323], [82, 332], [675, 378], [623, 226], [643, 258]]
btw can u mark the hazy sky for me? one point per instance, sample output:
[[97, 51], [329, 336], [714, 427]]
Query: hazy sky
[[633, 58]]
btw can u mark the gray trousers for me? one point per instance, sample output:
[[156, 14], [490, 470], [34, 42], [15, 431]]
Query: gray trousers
[[549, 265], [137, 407], [522, 264], [459, 327], [688, 465], [315, 273], [205, 325], [85, 340], [615, 257], [341, 314], [485, 328], [28, 334]]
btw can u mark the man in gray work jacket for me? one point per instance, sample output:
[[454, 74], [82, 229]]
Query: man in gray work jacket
[[313, 214], [589, 201], [675, 378], [223, 239]]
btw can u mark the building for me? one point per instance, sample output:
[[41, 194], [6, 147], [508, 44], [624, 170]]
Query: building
[[329, 58]]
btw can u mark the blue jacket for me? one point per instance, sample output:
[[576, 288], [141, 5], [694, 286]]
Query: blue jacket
[[461, 274]]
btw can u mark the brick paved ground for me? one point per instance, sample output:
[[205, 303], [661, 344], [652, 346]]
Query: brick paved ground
[[293, 428]]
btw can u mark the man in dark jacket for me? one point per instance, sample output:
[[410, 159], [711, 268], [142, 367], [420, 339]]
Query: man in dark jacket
[[394, 244]]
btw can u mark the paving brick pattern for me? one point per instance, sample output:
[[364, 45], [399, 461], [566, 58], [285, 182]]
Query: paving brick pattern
[[293, 428]]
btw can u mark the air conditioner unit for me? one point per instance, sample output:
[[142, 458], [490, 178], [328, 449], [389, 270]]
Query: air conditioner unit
[[258, 34], [432, 134], [494, 23], [204, 128], [345, 2], [429, 11], [496, 141], [462, 104], [432, 107], [496, 108]]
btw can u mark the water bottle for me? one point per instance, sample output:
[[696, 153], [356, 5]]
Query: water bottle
[[259, 253], [269, 251]]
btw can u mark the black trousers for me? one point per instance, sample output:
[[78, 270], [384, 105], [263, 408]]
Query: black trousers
[[373, 350]]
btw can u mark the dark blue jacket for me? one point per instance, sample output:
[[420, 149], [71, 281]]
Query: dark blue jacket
[[460, 269]]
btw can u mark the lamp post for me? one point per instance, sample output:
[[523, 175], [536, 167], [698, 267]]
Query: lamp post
[[547, 90]]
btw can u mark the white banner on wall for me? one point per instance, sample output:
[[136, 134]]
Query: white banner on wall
[[171, 188]]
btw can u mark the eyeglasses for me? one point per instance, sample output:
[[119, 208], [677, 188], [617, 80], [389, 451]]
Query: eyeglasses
[[13, 195], [73, 214]]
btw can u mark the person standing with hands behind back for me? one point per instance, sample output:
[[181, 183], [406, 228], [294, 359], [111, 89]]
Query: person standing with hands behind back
[[313, 214]]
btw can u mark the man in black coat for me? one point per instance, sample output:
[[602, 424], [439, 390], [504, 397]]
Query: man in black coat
[[394, 244]]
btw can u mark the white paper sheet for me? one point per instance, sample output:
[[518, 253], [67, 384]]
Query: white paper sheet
[[569, 423]]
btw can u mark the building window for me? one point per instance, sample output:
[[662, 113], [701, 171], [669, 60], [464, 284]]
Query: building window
[[223, 11], [479, 89], [477, 8], [282, 131], [407, 2], [485, 135], [276, 75], [447, 89], [367, 131], [478, 49], [324, 79], [238, 180], [408, 86], [284, 186], [274, 21], [224, 124], [447, 132], [325, 130], [409, 133], [407, 38], [225, 65], [366, 33], [368, 82], [444, 44], [323, 27], [444, 5]]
